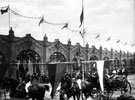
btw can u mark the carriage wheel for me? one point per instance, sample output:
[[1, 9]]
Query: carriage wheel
[[126, 87]]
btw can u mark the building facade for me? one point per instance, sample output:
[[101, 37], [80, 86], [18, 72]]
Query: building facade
[[27, 49]]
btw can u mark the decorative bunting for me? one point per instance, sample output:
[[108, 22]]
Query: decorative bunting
[[125, 43], [118, 41], [133, 45], [65, 26], [41, 21], [97, 36], [108, 39]]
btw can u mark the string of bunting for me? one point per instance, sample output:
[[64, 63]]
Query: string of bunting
[[117, 41], [6, 8], [67, 27], [17, 14], [44, 21]]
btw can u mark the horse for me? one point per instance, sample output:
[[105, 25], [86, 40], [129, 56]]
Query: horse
[[69, 88], [90, 85], [37, 90], [9, 84]]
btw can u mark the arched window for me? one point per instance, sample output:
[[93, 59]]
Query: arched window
[[57, 57], [106, 58], [28, 62], [93, 58]]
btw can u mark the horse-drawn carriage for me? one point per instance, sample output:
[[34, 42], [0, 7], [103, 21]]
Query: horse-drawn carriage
[[90, 86]]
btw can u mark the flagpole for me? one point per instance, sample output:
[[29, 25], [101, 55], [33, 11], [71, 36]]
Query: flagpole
[[83, 25], [9, 16], [83, 34]]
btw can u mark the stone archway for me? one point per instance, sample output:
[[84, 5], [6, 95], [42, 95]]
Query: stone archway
[[28, 62], [57, 57]]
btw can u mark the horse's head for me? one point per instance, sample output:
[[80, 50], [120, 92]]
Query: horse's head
[[66, 82], [44, 78]]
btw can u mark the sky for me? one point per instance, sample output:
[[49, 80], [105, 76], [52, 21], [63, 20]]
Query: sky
[[109, 18]]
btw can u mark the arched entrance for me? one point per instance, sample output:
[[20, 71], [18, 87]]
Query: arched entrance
[[57, 57], [93, 66], [93, 58], [3, 66], [106, 58], [28, 63]]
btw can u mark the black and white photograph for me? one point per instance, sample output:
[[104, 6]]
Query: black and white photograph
[[67, 49]]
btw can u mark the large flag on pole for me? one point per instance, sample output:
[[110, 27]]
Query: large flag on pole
[[4, 10], [55, 72], [81, 16], [100, 70]]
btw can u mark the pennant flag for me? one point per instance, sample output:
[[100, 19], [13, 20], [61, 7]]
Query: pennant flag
[[100, 70], [55, 72], [125, 43], [4, 10], [81, 18], [65, 26], [81, 34], [97, 36], [118, 41], [108, 39], [41, 21]]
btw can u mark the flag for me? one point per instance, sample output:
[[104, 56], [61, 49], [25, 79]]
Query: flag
[[97, 36], [81, 18], [132, 45], [118, 41], [125, 43], [81, 34], [108, 39], [55, 72], [65, 26], [100, 70], [4, 10], [41, 21], [101, 65]]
